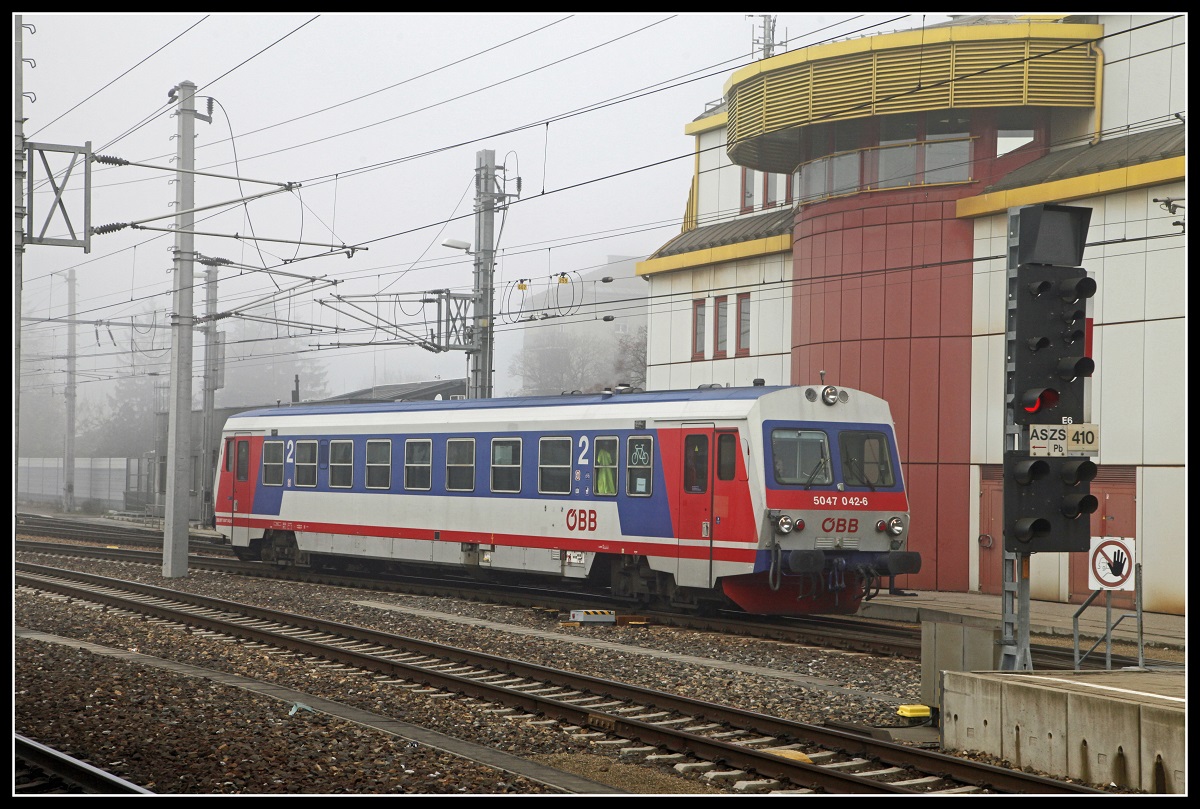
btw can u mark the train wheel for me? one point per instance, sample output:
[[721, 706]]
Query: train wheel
[[279, 548]]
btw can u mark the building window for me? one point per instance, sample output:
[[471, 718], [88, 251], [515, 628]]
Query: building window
[[460, 464], [1015, 127], [947, 147], [743, 320], [747, 189], [506, 464], [606, 466], [639, 466], [272, 463], [698, 329], [341, 464], [770, 190], [306, 463], [379, 464], [418, 463], [554, 466], [897, 163], [720, 327]]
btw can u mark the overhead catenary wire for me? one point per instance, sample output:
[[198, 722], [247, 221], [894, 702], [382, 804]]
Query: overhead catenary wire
[[602, 178]]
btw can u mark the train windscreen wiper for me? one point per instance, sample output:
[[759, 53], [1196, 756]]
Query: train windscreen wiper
[[857, 468], [816, 471]]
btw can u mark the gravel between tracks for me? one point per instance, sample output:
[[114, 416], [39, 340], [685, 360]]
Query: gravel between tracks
[[182, 736]]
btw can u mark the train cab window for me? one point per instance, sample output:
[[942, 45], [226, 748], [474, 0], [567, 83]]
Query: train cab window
[[272, 463], [639, 466], [606, 466], [379, 464], [341, 464], [554, 466], [243, 460], [460, 464], [801, 457], [726, 456], [695, 464], [418, 463], [506, 464], [865, 459], [306, 463], [229, 455]]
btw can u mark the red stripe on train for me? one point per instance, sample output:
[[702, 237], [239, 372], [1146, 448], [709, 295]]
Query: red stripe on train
[[580, 543]]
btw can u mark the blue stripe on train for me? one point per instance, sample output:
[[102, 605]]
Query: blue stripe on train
[[642, 516]]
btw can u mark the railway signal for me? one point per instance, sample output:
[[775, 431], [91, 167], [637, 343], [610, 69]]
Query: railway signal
[[1047, 503], [1049, 353], [1050, 367]]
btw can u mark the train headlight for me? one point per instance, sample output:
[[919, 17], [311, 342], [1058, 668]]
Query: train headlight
[[783, 523], [894, 526], [829, 395]]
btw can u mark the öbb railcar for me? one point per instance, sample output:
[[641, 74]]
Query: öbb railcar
[[779, 500]]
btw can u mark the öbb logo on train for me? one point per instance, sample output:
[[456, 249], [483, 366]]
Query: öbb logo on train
[[581, 519]]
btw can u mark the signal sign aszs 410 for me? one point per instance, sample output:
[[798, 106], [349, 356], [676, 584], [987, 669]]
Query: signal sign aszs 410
[[1064, 439]]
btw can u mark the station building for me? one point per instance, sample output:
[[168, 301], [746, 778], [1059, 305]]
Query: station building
[[852, 217]]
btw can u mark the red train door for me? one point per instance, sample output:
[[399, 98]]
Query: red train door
[[696, 495], [241, 495]]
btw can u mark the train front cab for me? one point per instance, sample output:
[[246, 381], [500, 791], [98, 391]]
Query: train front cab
[[836, 519]]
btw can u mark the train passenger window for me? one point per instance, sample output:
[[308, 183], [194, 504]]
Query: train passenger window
[[229, 455], [606, 466], [865, 459], [341, 464], [726, 456], [460, 464], [379, 464], [243, 460], [418, 463], [306, 463], [506, 464], [554, 466], [801, 457], [272, 463], [639, 466], [695, 464]]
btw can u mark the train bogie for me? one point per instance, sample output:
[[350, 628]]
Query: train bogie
[[777, 500]]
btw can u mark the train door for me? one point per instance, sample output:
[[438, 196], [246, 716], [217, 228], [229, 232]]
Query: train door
[[241, 491], [696, 502]]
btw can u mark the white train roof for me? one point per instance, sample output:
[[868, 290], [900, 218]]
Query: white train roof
[[612, 410]]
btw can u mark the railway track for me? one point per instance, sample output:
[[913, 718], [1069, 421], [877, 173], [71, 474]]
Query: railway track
[[42, 770], [844, 633], [644, 724]]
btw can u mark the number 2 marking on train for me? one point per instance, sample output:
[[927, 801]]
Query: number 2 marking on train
[[583, 451], [290, 448]]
